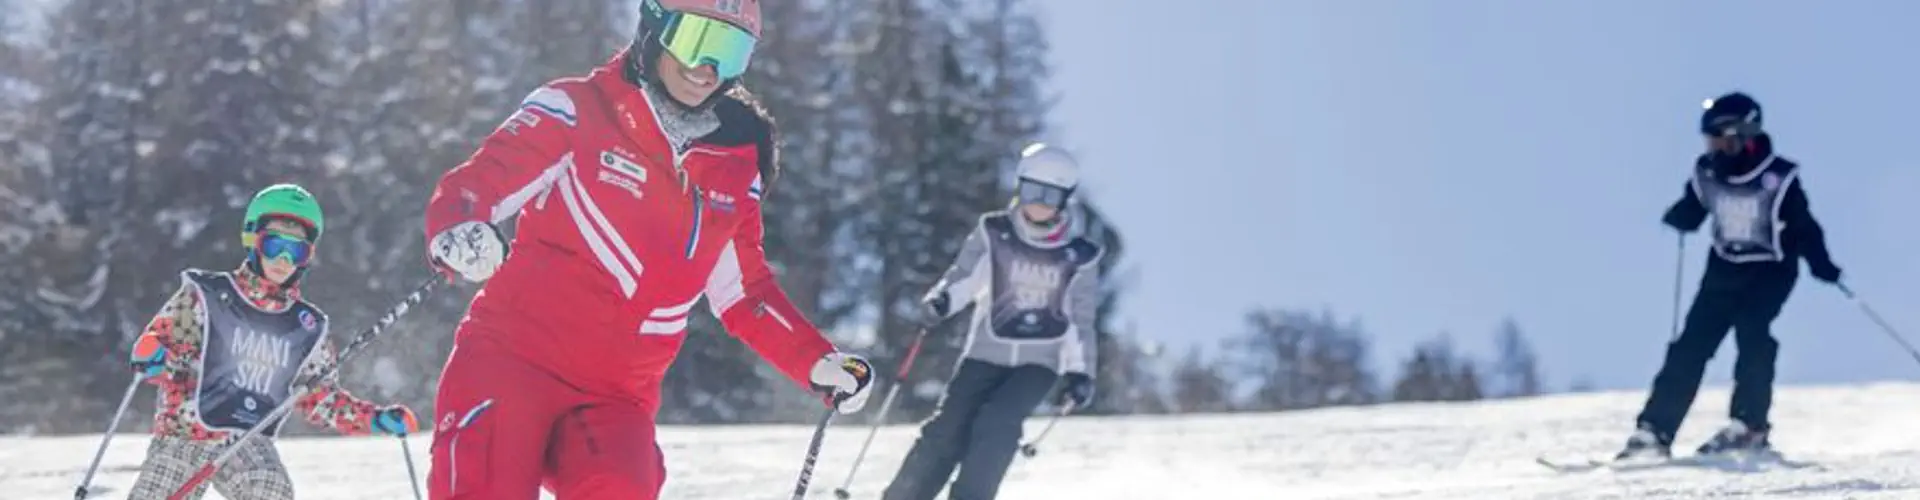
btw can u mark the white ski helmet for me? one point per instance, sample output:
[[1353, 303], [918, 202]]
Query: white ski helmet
[[1051, 167]]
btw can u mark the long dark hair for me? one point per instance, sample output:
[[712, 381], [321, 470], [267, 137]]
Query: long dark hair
[[743, 119]]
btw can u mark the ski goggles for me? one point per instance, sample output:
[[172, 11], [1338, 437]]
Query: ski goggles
[[1727, 126], [1043, 193], [272, 245], [695, 40]]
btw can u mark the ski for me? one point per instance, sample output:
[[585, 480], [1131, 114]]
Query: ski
[[1731, 460], [1592, 464]]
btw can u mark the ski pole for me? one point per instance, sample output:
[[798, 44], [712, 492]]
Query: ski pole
[[80, 492], [1875, 317], [1031, 448], [412, 477], [1679, 270], [886, 404], [813, 453], [353, 347]]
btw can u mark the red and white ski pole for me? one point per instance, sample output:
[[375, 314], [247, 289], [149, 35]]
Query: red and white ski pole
[[353, 347], [886, 404]]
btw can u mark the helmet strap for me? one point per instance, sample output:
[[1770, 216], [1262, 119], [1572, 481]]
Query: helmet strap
[[253, 263]]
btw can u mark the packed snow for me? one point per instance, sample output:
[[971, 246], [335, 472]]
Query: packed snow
[[1851, 442]]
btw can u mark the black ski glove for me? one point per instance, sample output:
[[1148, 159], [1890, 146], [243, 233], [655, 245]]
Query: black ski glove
[[1077, 389], [1677, 221], [935, 307], [1827, 272]]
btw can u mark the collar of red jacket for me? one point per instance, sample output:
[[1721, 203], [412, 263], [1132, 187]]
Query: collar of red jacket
[[628, 105]]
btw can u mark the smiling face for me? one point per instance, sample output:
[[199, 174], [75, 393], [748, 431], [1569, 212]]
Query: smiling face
[[689, 86]]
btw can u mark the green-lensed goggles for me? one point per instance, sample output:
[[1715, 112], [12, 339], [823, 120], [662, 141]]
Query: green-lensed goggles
[[696, 40]]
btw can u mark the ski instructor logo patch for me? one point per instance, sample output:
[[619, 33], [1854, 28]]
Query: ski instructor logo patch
[[623, 165]]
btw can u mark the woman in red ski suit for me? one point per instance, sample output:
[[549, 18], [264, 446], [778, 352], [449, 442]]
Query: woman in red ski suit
[[638, 190]]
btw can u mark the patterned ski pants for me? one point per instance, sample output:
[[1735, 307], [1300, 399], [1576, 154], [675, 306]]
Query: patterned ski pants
[[255, 473]]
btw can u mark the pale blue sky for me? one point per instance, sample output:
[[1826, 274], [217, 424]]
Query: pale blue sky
[[1436, 165]]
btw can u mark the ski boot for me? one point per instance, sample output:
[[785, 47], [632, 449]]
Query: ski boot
[[1737, 437], [1646, 444]]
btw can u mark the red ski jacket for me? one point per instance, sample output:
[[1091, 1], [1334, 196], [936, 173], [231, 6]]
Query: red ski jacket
[[614, 245]]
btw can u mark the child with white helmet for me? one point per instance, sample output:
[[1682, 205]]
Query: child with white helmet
[[1036, 287]]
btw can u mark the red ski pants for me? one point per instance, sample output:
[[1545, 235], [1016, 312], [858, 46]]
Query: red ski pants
[[505, 428]]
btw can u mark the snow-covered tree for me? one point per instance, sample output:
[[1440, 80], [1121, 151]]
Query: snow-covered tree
[[63, 322], [1126, 380], [1200, 384], [1437, 372], [23, 78], [1300, 359], [1516, 368]]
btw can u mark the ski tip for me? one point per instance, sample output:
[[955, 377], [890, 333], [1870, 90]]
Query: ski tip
[[1570, 467]]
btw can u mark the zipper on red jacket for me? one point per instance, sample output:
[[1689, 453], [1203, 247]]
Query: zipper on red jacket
[[693, 236]]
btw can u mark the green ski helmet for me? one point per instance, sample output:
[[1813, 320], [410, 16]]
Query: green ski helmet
[[282, 200]]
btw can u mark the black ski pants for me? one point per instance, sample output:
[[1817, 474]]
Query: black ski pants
[[1745, 298], [977, 428]]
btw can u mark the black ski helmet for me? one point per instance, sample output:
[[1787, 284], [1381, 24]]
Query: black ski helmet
[[1734, 114]]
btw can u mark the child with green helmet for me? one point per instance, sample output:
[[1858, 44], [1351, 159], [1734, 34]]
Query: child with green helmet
[[229, 347], [290, 206]]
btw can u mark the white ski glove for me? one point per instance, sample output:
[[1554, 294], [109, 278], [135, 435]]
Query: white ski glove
[[844, 378], [472, 249], [935, 307]]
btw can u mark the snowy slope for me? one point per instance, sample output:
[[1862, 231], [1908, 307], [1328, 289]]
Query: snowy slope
[[1857, 442]]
